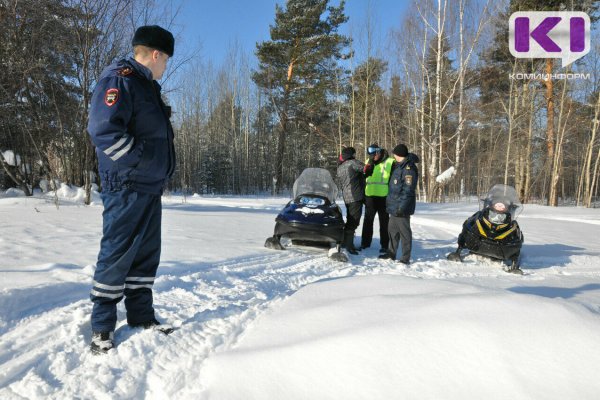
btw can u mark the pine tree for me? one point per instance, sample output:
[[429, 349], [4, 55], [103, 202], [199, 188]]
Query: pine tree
[[298, 66], [36, 82], [398, 111], [367, 78]]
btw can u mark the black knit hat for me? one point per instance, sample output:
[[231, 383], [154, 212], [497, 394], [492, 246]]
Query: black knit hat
[[155, 37], [401, 150], [348, 153]]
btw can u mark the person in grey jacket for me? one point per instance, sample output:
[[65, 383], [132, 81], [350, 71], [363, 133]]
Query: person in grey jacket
[[352, 182]]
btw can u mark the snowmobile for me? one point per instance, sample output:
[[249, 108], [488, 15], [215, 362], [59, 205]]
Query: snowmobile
[[493, 231], [312, 217]]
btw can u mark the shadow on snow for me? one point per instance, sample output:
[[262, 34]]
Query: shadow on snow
[[555, 292]]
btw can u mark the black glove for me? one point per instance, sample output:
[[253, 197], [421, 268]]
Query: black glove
[[368, 170]]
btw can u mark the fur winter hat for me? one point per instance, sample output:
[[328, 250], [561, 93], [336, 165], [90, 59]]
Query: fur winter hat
[[155, 37], [400, 150], [348, 153]]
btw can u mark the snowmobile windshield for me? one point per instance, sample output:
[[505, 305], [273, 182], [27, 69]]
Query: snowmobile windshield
[[316, 181], [502, 199]]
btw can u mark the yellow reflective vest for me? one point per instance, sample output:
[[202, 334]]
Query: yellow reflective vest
[[377, 184]]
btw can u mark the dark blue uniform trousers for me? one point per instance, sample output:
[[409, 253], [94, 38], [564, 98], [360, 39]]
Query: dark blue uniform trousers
[[400, 233], [128, 259]]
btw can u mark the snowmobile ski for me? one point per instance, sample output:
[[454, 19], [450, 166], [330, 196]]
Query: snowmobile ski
[[454, 256], [338, 254]]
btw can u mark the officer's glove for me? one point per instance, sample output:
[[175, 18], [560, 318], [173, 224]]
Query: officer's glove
[[368, 170]]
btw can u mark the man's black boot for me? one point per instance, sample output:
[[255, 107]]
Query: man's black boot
[[349, 242], [102, 342], [154, 324]]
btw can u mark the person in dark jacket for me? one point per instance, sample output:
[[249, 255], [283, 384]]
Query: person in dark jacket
[[377, 172], [400, 202], [352, 182], [130, 128]]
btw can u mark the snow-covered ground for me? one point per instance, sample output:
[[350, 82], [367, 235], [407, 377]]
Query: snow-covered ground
[[263, 324]]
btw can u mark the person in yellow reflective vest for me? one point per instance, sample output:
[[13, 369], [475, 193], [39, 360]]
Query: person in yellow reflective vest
[[378, 168]]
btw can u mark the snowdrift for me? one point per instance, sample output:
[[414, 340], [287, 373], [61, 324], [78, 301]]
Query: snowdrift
[[391, 337]]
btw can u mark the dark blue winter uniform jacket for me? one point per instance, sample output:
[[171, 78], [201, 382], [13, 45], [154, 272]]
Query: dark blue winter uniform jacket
[[401, 198], [129, 125]]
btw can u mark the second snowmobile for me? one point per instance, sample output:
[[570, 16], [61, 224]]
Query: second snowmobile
[[493, 231]]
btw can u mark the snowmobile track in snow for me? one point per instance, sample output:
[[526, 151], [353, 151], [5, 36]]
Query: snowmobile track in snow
[[46, 330], [211, 305]]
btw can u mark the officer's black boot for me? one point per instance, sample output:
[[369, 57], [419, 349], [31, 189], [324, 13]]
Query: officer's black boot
[[155, 325], [102, 342], [349, 242]]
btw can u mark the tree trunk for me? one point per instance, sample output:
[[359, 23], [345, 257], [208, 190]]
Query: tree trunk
[[461, 91], [557, 160], [594, 186], [552, 197], [511, 122], [528, 155], [281, 137], [586, 174], [437, 124]]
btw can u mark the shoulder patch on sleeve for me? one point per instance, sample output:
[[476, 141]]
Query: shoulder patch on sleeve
[[125, 71], [111, 96], [408, 179]]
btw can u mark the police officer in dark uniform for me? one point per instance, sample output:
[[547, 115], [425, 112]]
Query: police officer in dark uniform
[[130, 128], [400, 202]]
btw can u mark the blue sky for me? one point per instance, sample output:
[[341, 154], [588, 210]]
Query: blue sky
[[215, 24]]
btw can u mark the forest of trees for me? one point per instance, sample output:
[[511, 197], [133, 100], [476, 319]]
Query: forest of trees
[[440, 83]]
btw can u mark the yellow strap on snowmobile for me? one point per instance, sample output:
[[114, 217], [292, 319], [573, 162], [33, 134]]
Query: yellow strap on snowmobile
[[505, 234], [489, 224], [481, 231]]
